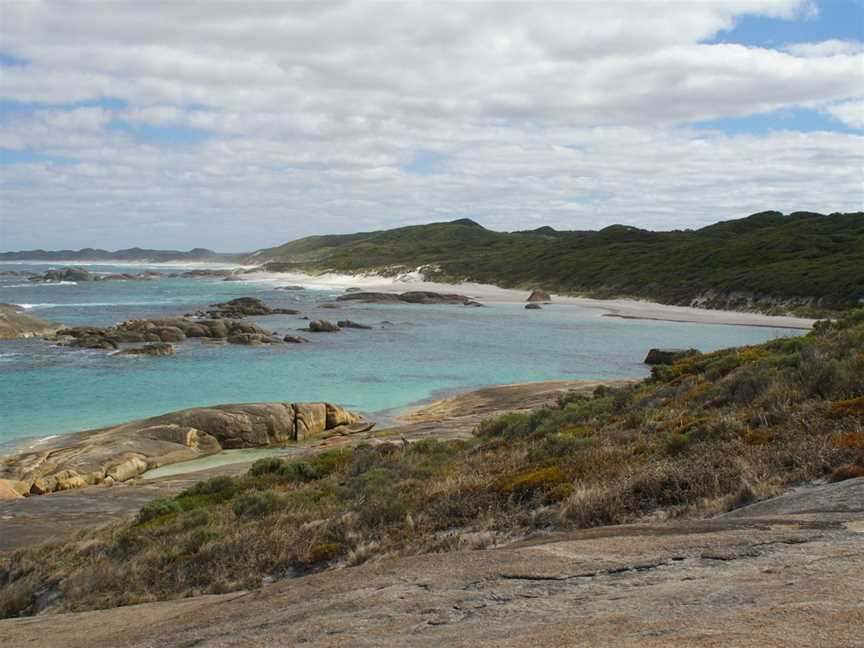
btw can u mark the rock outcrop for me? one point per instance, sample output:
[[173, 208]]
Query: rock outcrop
[[157, 349], [244, 307], [666, 356], [411, 297], [785, 576], [174, 330], [78, 275], [64, 274], [539, 296], [12, 489], [122, 452], [203, 274], [15, 323]]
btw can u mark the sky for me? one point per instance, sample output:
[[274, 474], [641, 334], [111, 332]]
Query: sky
[[236, 126]]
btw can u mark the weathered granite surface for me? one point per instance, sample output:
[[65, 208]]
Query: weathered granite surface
[[791, 579], [119, 453], [15, 323]]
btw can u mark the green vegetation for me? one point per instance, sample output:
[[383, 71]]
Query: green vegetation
[[707, 434], [811, 262]]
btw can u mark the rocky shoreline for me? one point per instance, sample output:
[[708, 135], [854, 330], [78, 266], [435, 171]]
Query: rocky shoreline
[[170, 439], [15, 323], [115, 454]]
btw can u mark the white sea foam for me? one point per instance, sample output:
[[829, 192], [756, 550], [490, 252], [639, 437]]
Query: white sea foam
[[96, 304], [37, 284]]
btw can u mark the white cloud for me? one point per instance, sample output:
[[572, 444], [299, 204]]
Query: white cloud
[[572, 114], [831, 47], [850, 113]]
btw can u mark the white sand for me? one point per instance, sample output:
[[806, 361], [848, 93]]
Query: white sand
[[629, 308]]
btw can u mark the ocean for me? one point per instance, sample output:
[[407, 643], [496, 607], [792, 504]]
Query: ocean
[[413, 353]]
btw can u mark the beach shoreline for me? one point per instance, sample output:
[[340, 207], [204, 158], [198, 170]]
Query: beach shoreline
[[488, 293]]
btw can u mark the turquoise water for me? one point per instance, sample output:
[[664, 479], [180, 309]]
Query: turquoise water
[[424, 352]]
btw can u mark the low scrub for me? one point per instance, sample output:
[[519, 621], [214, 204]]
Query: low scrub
[[708, 433]]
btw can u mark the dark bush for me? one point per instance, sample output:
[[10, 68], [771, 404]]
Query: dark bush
[[156, 509]]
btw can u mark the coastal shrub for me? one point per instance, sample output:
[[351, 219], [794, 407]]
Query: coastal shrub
[[266, 466], [322, 552], [850, 407], [675, 443], [256, 504], [198, 538], [558, 446], [428, 456], [331, 461], [156, 509], [742, 386], [322, 495], [509, 426], [217, 489], [528, 482], [848, 471], [196, 518], [300, 471], [830, 379]]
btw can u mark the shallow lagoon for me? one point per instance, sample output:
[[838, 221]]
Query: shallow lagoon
[[424, 351]]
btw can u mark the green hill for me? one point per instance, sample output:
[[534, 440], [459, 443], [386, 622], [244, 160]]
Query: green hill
[[768, 261]]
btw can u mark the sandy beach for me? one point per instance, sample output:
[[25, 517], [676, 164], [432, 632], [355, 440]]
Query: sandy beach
[[626, 308]]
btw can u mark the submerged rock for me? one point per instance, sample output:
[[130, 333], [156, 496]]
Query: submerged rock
[[323, 326], [533, 307], [160, 349], [411, 297], [94, 342], [351, 324], [253, 339], [295, 339]]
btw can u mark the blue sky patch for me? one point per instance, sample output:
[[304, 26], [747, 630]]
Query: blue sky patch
[[7, 60], [794, 119], [28, 156], [427, 163], [159, 135], [836, 19], [12, 108]]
